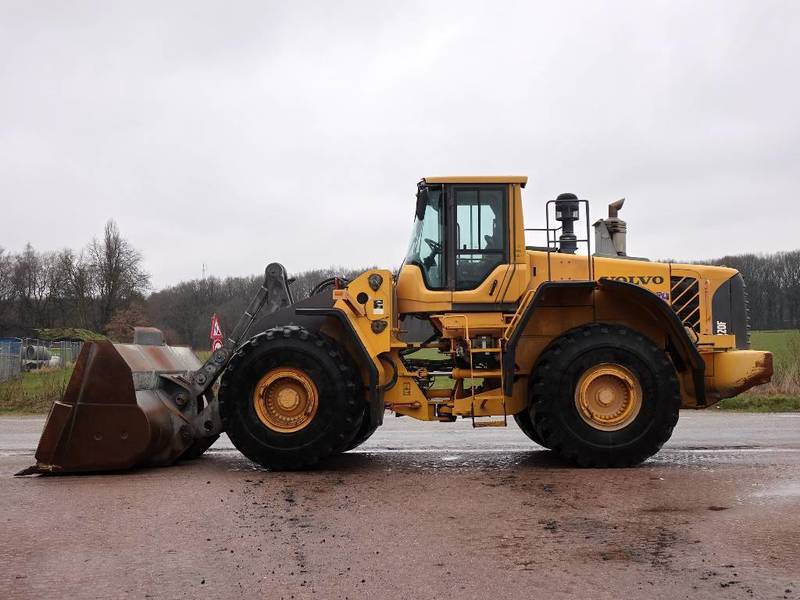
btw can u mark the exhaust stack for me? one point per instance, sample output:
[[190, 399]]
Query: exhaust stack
[[610, 234]]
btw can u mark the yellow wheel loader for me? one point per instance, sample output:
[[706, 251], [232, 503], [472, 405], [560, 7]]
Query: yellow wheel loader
[[592, 354]]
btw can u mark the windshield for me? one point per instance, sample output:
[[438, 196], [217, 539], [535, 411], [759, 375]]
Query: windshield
[[427, 238]]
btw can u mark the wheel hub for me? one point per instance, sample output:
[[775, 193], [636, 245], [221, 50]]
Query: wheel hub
[[608, 396], [285, 399]]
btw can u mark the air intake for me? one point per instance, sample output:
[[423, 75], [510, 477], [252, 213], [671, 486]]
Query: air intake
[[685, 300]]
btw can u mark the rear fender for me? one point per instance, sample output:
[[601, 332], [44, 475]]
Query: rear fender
[[606, 301]]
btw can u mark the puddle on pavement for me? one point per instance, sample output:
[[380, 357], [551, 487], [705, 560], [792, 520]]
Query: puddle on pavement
[[456, 459], [783, 491]]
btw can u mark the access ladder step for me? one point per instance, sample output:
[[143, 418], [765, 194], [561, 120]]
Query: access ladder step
[[490, 423]]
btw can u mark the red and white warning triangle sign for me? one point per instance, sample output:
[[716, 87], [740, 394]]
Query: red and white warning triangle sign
[[216, 336]]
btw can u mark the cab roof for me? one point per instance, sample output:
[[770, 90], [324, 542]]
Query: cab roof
[[520, 179]]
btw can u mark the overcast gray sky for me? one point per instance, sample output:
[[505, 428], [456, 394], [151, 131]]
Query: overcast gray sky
[[239, 133]]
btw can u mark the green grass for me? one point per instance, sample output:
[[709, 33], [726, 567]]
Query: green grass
[[34, 392], [428, 354], [761, 404], [781, 343], [783, 392]]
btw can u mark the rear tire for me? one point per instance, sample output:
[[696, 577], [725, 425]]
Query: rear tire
[[568, 431], [339, 410]]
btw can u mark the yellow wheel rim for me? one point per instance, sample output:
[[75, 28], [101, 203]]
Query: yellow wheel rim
[[285, 400], [608, 397]]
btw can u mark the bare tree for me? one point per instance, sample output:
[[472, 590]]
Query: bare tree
[[305, 282], [79, 287], [31, 287], [118, 273], [6, 289]]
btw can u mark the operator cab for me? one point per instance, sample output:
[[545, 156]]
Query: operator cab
[[459, 234], [460, 248]]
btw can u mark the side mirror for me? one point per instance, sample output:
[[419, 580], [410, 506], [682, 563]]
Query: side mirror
[[422, 202]]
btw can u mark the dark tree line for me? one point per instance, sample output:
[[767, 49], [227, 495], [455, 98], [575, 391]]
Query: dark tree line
[[773, 287], [183, 311], [85, 289], [104, 288]]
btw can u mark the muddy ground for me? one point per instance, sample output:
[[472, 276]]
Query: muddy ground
[[424, 511]]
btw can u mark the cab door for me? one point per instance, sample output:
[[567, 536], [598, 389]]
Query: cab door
[[478, 252], [422, 284]]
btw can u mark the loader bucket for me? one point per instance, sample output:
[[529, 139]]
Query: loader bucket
[[119, 411]]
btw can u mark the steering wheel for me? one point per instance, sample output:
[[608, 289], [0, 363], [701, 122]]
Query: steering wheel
[[436, 247]]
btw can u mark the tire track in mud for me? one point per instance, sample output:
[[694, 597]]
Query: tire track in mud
[[286, 521], [562, 524], [565, 524], [276, 519]]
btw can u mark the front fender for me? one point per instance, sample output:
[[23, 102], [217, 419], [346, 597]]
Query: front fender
[[682, 349]]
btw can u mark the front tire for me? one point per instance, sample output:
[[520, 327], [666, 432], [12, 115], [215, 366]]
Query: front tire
[[605, 396], [525, 423], [366, 431], [291, 398], [198, 448]]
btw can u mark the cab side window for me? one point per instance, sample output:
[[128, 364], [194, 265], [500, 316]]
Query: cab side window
[[428, 240], [480, 234]]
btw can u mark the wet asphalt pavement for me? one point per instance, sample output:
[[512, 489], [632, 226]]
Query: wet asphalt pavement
[[420, 511]]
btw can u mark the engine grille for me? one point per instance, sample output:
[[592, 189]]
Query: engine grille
[[685, 300]]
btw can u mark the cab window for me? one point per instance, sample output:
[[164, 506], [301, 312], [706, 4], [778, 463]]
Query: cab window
[[426, 249], [480, 234]]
